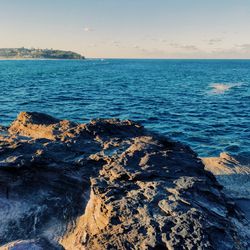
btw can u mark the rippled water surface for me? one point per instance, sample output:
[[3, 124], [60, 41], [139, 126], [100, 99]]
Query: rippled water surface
[[204, 103]]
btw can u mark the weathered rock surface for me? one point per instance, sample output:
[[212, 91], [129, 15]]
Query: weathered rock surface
[[108, 184], [233, 172]]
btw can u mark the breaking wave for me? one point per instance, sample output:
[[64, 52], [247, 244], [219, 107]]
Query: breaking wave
[[220, 88]]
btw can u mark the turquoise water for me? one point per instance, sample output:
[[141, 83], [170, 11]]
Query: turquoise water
[[204, 103]]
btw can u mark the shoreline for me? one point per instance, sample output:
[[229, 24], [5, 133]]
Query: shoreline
[[74, 179], [38, 59], [145, 59]]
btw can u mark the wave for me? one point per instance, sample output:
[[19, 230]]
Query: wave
[[220, 88]]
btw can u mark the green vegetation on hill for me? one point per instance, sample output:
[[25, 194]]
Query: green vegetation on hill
[[23, 53]]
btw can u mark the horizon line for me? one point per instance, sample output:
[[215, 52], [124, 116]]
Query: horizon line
[[157, 58], [120, 58]]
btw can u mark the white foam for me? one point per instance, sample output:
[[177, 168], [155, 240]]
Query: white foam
[[220, 88]]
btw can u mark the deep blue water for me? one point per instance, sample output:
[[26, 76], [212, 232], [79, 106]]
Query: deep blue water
[[174, 97]]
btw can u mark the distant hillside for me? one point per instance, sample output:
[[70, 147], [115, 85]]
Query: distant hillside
[[23, 53]]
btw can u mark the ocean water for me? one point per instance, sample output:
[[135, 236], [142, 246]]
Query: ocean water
[[203, 103]]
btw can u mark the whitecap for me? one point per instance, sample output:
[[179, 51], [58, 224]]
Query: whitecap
[[220, 88]]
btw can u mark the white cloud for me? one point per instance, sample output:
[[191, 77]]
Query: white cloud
[[214, 41], [163, 40], [244, 47], [184, 47], [189, 47], [93, 45], [176, 45], [87, 29], [115, 43]]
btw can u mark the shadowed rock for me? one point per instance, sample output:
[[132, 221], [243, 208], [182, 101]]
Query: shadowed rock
[[108, 184]]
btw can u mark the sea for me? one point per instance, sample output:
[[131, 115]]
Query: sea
[[202, 103]]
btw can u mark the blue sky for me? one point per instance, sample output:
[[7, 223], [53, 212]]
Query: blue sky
[[130, 28]]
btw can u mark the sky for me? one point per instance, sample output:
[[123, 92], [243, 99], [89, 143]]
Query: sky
[[129, 28]]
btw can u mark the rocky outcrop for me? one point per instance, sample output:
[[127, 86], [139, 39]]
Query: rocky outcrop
[[233, 172], [108, 184]]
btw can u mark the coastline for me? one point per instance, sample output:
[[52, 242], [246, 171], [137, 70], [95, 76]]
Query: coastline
[[38, 59], [74, 185], [26, 54]]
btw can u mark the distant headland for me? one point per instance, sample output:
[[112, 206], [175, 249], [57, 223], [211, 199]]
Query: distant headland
[[24, 53]]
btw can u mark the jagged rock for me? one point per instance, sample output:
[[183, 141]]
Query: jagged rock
[[233, 172], [108, 184], [38, 125]]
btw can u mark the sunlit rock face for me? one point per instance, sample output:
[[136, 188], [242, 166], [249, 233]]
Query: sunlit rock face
[[233, 172], [108, 184]]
